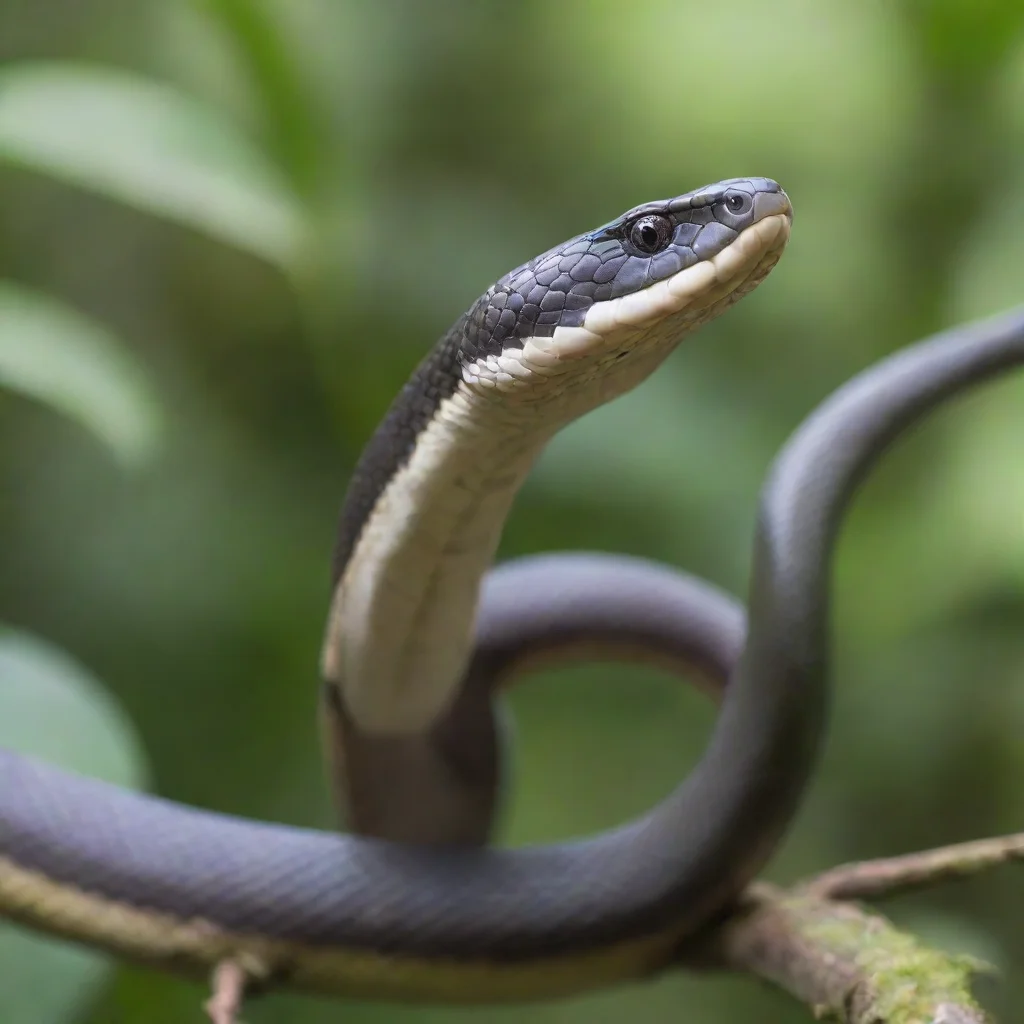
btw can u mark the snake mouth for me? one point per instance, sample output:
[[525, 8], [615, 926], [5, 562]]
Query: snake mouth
[[691, 289], [688, 297]]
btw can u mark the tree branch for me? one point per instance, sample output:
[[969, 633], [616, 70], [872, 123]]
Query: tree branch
[[849, 964], [845, 963]]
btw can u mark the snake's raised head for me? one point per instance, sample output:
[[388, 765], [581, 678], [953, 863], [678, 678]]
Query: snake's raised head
[[637, 284], [559, 336]]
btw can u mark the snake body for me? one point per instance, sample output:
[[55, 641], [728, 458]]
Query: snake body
[[415, 906]]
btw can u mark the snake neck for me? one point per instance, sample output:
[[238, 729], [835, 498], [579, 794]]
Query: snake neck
[[403, 609], [402, 616]]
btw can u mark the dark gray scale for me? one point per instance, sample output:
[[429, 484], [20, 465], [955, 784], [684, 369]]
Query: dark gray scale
[[552, 290]]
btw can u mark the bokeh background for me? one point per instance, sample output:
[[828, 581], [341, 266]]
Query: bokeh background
[[230, 228]]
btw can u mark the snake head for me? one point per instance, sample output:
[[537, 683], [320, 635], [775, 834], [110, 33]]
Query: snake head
[[652, 274]]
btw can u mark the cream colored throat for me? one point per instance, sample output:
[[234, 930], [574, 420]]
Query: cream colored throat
[[402, 616]]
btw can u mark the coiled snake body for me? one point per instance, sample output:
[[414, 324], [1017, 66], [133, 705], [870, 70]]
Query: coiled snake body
[[415, 905]]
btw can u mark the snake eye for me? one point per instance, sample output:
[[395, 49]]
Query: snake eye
[[650, 233], [738, 202]]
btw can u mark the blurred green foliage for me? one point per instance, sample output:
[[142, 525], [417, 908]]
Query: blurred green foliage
[[228, 230]]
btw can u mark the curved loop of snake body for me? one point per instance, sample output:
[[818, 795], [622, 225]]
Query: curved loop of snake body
[[415, 907]]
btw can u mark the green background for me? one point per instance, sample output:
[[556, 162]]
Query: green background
[[229, 229]]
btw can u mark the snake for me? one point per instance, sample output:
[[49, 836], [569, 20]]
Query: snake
[[414, 902]]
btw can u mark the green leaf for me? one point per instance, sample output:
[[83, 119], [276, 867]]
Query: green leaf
[[273, 61], [52, 708], [150, 146], [969, 39], [56, 355]]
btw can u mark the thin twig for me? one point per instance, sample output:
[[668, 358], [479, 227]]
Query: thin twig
[[225, 1002], [887, 876]]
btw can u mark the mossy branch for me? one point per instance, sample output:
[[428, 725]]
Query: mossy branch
[[849, 964]]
